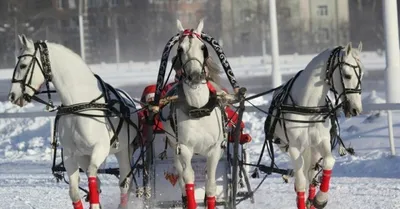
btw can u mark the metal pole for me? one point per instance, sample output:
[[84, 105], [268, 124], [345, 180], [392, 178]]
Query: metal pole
[[117, 55], [263, 32], [16, 39], [276, 74], [392, 62], [81, 30]]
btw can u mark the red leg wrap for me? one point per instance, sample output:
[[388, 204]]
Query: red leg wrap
[[311, 192], [301, 200], [78, 204], [191, 200], [326, 177], [93, 193], [211, 202], [124, 200]]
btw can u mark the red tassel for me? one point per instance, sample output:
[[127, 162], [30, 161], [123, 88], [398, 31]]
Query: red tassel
[[191, 200], [211, 202], [311, 192], [78, 204], [301, 200], [326, 178], [93, 193]]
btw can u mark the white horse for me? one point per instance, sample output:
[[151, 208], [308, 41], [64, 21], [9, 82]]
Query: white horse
[[338, 70], [85, 139], [203, 135]]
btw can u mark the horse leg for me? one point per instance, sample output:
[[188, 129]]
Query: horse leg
[[185, 157], [124, 181], [321, 199], [99, 154], [312, 172], [72, 168], [179, 169], [211, 186], [84, 164], [300, 178]]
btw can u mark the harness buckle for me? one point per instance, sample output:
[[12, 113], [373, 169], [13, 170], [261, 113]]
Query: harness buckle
[[178, 149]]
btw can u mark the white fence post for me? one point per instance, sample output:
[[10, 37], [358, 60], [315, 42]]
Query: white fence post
[[392, 60]]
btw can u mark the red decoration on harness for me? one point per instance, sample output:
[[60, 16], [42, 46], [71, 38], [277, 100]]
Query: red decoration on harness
[[233, 118], [189, 32], [211, 88]]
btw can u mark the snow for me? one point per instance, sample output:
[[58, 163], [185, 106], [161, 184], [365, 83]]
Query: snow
[[367, 180]]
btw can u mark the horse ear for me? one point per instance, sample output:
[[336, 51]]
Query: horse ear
[[20, 39], [347, 49], [200, 26], [25, 41], [360, 46], [179, 25]]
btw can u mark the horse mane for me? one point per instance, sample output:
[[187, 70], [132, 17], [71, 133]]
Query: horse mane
[[213, 70]]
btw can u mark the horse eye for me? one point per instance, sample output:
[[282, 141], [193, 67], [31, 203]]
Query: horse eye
[[22, 66], [347, 76]]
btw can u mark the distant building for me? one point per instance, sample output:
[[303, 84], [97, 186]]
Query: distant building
[[304, 26]]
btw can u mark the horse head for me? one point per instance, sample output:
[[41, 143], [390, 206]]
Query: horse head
[[28, 75], [192, 53], [345, 79]]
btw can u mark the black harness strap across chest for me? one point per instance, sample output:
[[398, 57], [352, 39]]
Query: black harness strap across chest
[[195, 112]]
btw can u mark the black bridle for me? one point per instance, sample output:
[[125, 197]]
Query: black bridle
[[339, 64], [45, 69], [191, 35]]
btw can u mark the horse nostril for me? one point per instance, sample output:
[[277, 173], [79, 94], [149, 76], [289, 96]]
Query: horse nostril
[[11, 96], [354, 111]]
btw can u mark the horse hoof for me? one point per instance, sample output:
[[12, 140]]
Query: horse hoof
[[184, 202], [122, 207], [309, 204], [319, 205]]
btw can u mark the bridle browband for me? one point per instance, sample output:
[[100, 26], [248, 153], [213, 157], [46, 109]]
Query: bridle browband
[[45, 69]]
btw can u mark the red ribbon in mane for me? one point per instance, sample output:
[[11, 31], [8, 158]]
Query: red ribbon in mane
[[189, 32]]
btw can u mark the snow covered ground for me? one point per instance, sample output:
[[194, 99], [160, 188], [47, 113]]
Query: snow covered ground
[[368, 180]]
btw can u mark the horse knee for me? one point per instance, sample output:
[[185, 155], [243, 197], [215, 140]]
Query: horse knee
[[211, 189], [74, 188], [329, 162], [188, 174], [92, 170], [300, 181]]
